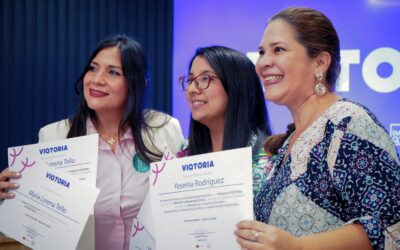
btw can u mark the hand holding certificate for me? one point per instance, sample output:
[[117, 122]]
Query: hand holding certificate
[[198, 200], [51, 207]]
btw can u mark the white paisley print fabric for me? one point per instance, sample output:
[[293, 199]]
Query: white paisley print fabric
[[343, 169]]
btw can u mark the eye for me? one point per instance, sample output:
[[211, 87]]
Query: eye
[[114, 72], [261, 52], [92, 68], [278, 49], [204, 78]]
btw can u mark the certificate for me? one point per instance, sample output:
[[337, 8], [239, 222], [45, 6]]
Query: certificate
[[142, 233], [75, 156], [52, 204], [197, 201]]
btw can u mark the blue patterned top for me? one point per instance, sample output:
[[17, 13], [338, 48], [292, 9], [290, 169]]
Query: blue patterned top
[[342, 169]]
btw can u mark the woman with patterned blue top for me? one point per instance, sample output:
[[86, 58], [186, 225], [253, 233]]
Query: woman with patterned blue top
[[228, 108], [335, 183]]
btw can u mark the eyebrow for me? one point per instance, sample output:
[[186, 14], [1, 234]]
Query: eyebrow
[[276, 43], [110, 66], [204, 72], [113, 66], [273, 44]]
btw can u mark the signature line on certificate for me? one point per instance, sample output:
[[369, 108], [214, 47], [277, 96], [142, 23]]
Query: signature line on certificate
[[73, 165], [47, 207], [188, 190]]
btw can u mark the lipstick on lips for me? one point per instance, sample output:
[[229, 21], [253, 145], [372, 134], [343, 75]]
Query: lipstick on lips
[[97, 93]]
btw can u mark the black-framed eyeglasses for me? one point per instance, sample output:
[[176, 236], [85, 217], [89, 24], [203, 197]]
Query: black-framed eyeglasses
[[201, 81]]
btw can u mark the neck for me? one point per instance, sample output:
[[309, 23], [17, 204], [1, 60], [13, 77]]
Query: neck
[[309, 111], [108, 122], [217, 137]]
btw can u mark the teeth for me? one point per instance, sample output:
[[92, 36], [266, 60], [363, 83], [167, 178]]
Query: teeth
[[199, 102], [272, 78]]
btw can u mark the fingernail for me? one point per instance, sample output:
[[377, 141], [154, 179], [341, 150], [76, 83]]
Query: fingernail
[[11, 195], [18, 174], [15, 185]]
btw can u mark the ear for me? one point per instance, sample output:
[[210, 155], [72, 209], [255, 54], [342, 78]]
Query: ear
[[322, 62]]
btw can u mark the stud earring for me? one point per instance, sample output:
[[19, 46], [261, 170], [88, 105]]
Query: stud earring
[[319, 88]]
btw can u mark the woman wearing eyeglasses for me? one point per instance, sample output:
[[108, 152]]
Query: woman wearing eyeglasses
[[227, 104]]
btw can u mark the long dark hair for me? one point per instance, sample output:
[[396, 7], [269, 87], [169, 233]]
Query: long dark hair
[[317, 34], [246, 111], [135, 70]]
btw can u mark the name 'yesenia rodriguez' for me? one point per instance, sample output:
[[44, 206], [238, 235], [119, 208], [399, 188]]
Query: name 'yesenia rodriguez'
[[206, 182]]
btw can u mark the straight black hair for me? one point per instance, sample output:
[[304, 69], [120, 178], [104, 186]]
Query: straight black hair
[[135, 70], [246, 113]]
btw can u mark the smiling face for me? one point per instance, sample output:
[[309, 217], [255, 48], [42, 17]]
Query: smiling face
[[105, 87], [284, 68], [208, 106]]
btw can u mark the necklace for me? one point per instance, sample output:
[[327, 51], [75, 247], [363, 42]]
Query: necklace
[[107, 138]]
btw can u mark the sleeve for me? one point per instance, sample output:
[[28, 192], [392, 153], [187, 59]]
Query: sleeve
[[262, 165], [42, 135], [168, 136], [367, 178], [174, 136], [54, 131]]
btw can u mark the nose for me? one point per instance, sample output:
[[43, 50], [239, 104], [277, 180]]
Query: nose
[[98, 78], [192, 89], [264, 61]]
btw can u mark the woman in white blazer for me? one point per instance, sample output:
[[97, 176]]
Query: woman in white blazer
[[112, 89]]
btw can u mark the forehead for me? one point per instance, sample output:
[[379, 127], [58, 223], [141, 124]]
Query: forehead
[[277, 31], [200, 65], [110, 55]]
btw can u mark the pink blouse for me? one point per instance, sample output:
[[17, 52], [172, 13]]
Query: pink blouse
[[123, 189]]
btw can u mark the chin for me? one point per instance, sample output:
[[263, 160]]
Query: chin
[[197, 119], [200, 119], [93, 107], [277, 99]]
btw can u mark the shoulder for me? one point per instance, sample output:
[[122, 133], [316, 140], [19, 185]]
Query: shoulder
[[54, 131], [156, 120], [163, 130], [359, 121], [345, 108], [354, 116]]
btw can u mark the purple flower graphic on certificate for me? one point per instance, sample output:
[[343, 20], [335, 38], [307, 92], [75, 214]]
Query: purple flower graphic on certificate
[[14, 155], [25, 164], [157, 171], [137, 227], [167, 156]]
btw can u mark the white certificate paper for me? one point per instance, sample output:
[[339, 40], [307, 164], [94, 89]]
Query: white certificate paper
[[52, 204], [197, 201], [142, 233]]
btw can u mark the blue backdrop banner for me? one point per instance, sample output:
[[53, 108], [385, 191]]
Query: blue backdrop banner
[[368, 30]]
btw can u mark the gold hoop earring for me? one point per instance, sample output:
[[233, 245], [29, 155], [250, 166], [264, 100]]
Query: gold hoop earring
[[319, 88]]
